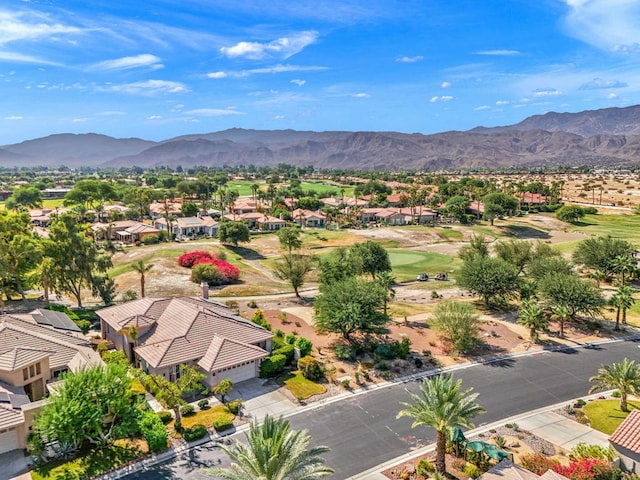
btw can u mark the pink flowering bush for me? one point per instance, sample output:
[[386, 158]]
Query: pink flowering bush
[[225, 272], [188, 260], [230, 273]]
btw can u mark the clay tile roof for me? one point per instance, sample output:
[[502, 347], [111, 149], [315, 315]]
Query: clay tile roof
[[551, 475], [627, 435], [224, 352], [20, 357], [10, 417], [506, 470]]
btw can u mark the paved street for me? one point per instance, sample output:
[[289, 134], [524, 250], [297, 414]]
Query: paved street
[[362, 430]]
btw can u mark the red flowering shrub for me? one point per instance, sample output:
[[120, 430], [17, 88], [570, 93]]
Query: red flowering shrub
[[586, 469], [538, 463], [229, 273], [188, 260]]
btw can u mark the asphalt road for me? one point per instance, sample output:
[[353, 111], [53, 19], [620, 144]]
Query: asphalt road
[[362, 431]]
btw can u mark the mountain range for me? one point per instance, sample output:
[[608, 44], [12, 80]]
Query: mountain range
[[602, 137]]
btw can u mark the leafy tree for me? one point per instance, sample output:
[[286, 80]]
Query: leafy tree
[[570, 213], [477, 247], [24, 197], [374, 257], [76, 261], [338, 265], [142, 268], [542, 266], [189, 209], [498, 205], [600, 253], [294, 268], [532, 317], [622, 300], [90, 194], [441, 405], [19, 251], [234, 232], [350, 306], [458, 323], [491, 278], [289, 238], [223, 388], [274, 452], [624, 377], [92, 405], [516, 252], [573, 293], [456, 207]]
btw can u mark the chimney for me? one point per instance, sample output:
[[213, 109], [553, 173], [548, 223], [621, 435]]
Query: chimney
[[205, 290]]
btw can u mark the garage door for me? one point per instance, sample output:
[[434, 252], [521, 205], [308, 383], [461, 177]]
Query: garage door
[[238, 373], [8, 440]]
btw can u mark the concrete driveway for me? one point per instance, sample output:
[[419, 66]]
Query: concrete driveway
[[261, 397], [562, 431], [13, 464]]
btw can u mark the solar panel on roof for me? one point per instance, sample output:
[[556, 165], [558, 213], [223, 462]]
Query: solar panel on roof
[[57, 320], [18, 400], [4, 397]]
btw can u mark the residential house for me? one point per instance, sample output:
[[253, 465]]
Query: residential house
[[533, 199], [160, 209], [309, 218], [626, 442], [189, 227], [128, 231], [241, 206], [258, 221], [187, 330], [35, 349], [41, 217], [397, 216]]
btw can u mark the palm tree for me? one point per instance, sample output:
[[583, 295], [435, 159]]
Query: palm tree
[[532, 317], [624, 377], [274, 452], [442, 406], [254, 188], [622, 299], [623, 264], [561, 314], [387, 281], [142, 268]]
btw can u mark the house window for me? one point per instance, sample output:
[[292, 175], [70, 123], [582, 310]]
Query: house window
[[38, 369], [32, 370], [25, 374]]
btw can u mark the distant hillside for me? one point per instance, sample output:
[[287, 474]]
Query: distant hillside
[[598, 137]]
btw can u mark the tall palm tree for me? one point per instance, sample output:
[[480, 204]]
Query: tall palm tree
[[623, 265], [532, 317], [274, 452], [622, 299], [624, 377], [561, 314], [142, 268], [387, 281], [441, 405]]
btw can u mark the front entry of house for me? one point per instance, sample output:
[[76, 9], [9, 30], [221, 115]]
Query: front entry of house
[[8, 440], [238, 373]]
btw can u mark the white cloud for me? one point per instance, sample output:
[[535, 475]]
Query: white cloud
[[17, 26], [154, 117], [279, 68], [298, 82], [283, 47], [503, 102], [111, 113], [361, 95], [611, 96], [445, 85], [597, 83], [606, 24], [148, 87], [125, 63], [80, 120], [546, 92], [499, 53], [14, 117], [279, 117], [406, 59], [213, 112], [482, 107], [442, 98], [21, 58]]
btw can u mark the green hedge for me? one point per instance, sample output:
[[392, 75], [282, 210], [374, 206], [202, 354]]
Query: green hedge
[[272, 365], [165, 416], [286, 350], [221, 424], [153, 431], [194, 433], [234, 406]]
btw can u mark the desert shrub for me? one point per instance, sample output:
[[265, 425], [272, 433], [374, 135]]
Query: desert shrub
[[252, 304], [188, 260], [290, 338], [222, 423], [194, 433], [234, 406], [207, 273], [272, 365], [310, 368], [165, 416], [472, 471], [287, 351], [304, 345], [187, 410], [425, 468], [598, 452], [345, 352], [401, 348], [151, 239], [153, 430], [459, 464], [385, 352], [203, 404], [129, 295], [258, 319], [418, 362], [616, 394], [538, 463], [580, 403]]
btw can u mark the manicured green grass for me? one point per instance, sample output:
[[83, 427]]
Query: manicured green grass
[[243, 187], [205, 417], [87, 464], [449, 235], [605, 415], [302, 388], [619, 226], [407, 264]]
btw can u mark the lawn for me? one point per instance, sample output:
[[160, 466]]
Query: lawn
[[243, 187], [302, 388], [407, 264], [605, 415], [619, 226], [205, 417], [88, 464]]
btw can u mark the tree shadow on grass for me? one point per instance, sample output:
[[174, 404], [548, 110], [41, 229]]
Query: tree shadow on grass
[[246, 253]]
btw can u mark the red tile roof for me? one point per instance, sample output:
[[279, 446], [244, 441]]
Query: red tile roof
[[627, 435]]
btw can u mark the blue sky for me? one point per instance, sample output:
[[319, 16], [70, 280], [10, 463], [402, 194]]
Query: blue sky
[[159, 68]]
